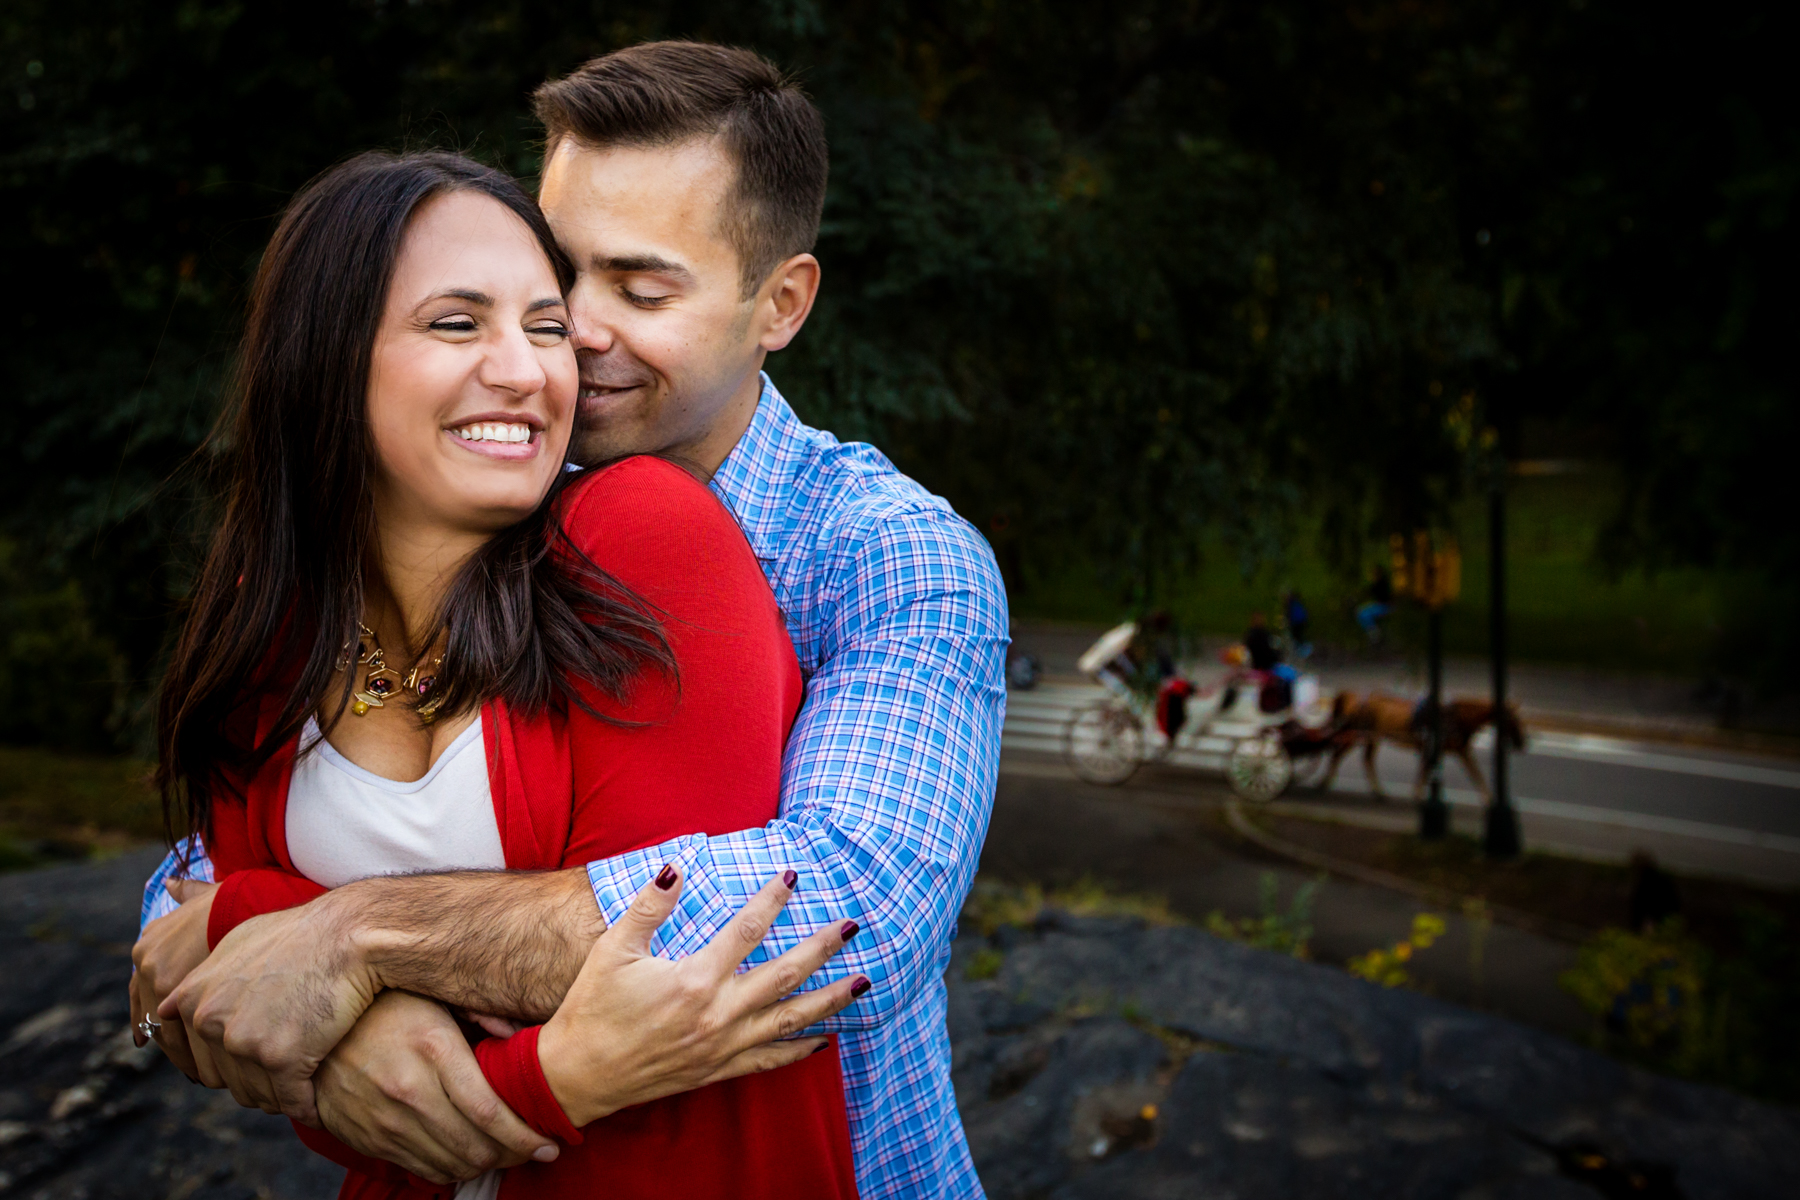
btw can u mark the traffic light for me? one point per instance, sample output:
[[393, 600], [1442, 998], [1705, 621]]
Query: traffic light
[[1426, 568]]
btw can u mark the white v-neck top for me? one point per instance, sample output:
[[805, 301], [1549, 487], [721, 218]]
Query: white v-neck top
[[345, 823]]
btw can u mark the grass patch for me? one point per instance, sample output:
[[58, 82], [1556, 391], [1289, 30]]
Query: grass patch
[[57, 806], [991, 905], [1562, 608], [985, 964]]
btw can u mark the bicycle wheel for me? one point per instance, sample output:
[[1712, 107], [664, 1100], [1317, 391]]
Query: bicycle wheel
[[1103, 743], [1259, 769]]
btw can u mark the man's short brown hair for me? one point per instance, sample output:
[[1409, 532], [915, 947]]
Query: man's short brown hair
[[664, 93]]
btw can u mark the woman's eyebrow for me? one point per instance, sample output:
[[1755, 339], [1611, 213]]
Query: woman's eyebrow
[[473, 297], [546, 302]]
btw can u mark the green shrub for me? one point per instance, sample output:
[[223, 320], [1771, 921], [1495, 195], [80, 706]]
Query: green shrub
[[61, 683], [1287, 932], [1386, 965], [1662, 998]]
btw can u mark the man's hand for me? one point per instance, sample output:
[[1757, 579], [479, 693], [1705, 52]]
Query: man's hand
[[274, 997], [280, 990], [404, 1086], [166, 952], [635, 1028]]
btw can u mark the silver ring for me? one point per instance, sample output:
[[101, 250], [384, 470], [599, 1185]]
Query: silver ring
[[149, 1026]]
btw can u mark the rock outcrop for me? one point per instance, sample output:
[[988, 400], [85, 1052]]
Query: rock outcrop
[[1093, 1058], [1105, 1058]]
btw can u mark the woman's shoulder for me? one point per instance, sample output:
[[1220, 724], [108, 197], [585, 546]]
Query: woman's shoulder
[[641, 473], [644, 499], [645, 477]]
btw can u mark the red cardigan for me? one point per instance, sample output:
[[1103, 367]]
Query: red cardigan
[[567, 789]]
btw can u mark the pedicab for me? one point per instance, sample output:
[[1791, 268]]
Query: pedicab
[[1258, 726]]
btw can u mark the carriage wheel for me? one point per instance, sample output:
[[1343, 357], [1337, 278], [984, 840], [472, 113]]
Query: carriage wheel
[[1104, 743], [1259, 769]]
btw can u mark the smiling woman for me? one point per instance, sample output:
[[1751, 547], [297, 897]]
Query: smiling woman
[[419, 299]]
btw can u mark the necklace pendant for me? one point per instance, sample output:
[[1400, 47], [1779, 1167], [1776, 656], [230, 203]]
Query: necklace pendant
[[382, 682]]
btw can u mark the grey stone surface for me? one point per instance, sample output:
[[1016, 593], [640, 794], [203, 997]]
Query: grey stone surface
[[1103, 1059], [1279, 1078], [84, 1115]]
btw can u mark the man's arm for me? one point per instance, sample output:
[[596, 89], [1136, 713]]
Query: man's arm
[[888, 778], [887, 785], [503, 942], [508, 943]]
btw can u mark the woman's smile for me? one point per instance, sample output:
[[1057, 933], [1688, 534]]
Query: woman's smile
[[509, 437]]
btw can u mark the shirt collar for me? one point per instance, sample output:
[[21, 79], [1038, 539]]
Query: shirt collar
[[755, 471]]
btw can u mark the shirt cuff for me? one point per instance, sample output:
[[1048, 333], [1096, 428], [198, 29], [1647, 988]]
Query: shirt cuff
[[516, 1074], [702, 910]]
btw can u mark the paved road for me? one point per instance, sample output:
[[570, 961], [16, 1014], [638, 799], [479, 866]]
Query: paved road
[[1712, 812]]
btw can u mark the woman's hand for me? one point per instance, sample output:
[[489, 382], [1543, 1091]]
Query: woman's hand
[[636, 1028], [169, 948]]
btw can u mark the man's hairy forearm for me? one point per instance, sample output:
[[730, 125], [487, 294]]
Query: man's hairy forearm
[[508, 943]]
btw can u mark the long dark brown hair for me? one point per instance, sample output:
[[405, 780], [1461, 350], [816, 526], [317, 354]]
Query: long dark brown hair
[[526, 620]]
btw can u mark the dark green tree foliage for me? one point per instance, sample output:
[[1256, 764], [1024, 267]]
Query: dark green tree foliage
[[1107, 276]]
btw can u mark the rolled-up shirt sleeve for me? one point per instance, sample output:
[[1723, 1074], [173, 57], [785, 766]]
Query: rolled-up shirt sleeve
[[186, 861], [888, 776]]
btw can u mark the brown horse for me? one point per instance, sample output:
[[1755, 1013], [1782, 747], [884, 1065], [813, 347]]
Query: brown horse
[[1376, 718]]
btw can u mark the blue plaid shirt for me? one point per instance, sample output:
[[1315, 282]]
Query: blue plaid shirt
[[898, 616]]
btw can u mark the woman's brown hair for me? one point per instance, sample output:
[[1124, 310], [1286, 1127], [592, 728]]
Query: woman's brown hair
[[526, 620]]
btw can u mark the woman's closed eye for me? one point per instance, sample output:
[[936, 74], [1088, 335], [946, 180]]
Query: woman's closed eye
[[548, 332], [461, 323]]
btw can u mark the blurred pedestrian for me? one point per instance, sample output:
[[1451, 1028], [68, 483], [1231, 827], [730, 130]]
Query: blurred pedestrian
[[1371, 612], [1260, 644], [1293, 612], [1152, 649]]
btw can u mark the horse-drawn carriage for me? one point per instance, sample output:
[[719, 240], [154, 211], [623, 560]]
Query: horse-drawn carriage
[[1265, 729], [1259, 726]]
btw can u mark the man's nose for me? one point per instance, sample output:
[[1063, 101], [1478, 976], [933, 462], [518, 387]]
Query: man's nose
[[591, 332]]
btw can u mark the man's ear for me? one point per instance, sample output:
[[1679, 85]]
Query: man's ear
[[788, 297]]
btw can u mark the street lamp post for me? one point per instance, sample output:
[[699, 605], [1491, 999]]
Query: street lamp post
[[1434, 814], [1502, 834]]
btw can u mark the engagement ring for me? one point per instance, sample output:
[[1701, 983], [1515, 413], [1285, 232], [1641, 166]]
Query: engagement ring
[[149, 1025]]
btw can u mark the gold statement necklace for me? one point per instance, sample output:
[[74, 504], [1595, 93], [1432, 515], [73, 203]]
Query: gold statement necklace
[[381, 682]]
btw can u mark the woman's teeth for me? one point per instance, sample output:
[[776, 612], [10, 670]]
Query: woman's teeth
[[493, 431]]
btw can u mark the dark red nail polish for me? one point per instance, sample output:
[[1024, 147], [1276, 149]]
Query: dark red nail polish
[[820, 1047], [666, 880], [847, 930], [790, 878], [860, 987]]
